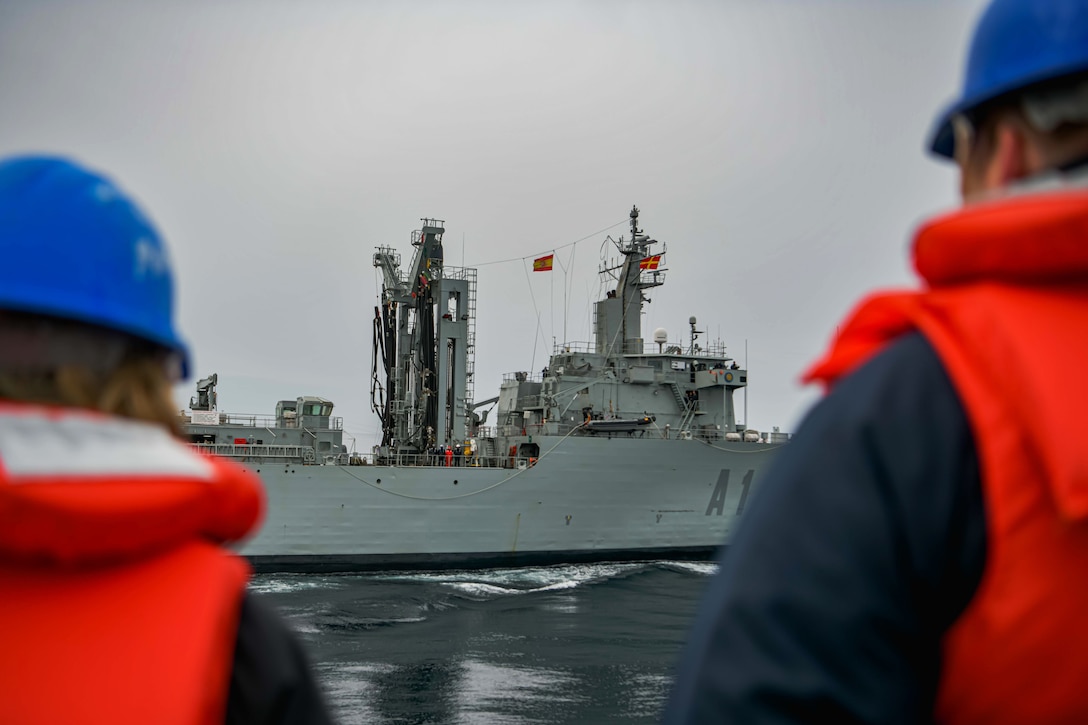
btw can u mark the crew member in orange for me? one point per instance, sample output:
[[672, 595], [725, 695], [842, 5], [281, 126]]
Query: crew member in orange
[[118, 601], [916, 554]]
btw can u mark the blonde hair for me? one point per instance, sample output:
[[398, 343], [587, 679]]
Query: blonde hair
[[137, 386]]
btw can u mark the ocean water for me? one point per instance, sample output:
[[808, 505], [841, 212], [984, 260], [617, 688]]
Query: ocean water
[[590, 643]]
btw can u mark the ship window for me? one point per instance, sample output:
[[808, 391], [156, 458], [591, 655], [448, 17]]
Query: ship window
[[315, 409], [323, 445], [326, 410]]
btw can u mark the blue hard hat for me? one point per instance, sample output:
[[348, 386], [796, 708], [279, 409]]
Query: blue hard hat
[[1017, 44], [74, 246]]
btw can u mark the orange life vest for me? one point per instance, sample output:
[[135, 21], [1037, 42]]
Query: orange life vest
[[116, 603], [1006, 310]]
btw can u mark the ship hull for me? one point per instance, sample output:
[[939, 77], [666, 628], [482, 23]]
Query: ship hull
[[583, 499]]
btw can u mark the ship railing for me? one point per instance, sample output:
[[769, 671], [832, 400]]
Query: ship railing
[[249, 420], [656, 431], [257, 450], [713, 349], [523, 377], [563, 348], [406, 460], [459, 460], [656, 278], [466, 273], [385, 251], [438, 460]]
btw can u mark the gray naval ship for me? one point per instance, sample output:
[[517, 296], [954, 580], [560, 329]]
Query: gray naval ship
[[617, 450]]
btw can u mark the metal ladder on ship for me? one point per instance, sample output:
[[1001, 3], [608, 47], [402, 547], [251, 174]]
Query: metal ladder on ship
[[689, 410]]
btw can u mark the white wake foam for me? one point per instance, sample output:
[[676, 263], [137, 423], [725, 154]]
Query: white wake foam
[[488, 583], [288, 583]]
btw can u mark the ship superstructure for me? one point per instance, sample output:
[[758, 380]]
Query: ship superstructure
[[670, 388]]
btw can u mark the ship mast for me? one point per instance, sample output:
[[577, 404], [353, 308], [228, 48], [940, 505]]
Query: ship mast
[[619, 315]]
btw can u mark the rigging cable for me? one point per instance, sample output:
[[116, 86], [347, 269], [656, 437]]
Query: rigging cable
[[563, 246], [529, 285]]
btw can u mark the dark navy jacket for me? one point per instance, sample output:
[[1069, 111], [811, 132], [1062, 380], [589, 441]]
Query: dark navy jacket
[[864, 544], [271, 683]]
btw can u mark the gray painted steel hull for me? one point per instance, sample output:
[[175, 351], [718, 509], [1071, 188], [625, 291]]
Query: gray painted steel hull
[[584, 499]]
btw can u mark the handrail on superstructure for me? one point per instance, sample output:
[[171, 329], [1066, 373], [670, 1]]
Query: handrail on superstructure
[[249, 420], [679, 350], [243, 450], [557, 428]]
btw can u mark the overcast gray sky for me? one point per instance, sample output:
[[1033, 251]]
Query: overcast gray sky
[[775, 145]]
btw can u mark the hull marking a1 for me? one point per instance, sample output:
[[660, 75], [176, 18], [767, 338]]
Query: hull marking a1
[[717, 499]]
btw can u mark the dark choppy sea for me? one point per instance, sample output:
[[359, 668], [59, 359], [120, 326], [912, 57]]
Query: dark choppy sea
[[590, 643]]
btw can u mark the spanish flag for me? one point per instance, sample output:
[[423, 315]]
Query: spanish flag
[[543, 264], [650, 262]]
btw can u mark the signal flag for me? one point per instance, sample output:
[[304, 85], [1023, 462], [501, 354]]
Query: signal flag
[[649, 262]]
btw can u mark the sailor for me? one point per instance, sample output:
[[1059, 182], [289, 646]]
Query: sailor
[[916, 554], [119, 602]]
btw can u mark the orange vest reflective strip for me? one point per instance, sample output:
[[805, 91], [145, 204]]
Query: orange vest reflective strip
[[42, 443], [77, 487], [145, 642], [1017, 356]]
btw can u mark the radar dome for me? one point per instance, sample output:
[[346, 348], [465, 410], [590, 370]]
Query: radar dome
[[661, 335]]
